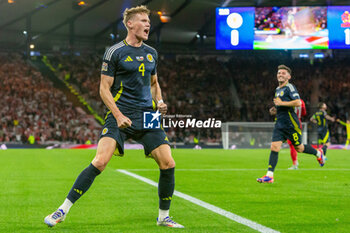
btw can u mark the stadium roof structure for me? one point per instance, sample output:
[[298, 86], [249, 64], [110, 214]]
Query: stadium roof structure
[[93, 24]]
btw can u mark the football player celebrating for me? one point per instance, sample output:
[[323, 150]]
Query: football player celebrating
[[287, 124], [128, 86]]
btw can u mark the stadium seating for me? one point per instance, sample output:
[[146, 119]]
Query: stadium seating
[[196, 87], [33, 109]]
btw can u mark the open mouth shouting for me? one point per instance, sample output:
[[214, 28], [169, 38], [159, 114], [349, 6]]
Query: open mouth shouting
[[146, 32]]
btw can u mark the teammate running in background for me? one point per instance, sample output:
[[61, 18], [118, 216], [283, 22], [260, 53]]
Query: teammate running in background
[[301, 112], [320, 118], [347, 125], [287, 124]]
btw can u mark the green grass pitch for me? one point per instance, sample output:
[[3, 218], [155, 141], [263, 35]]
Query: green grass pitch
[[312, 199]]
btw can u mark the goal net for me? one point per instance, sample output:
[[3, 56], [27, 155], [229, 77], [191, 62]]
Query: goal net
[[250, 134]]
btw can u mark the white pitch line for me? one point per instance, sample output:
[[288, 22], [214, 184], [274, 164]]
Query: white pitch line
[[246, 169], [227, 214]]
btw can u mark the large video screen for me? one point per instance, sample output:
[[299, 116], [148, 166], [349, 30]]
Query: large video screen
[[234, 28], [283, 27], [339, 27], [291, 28]]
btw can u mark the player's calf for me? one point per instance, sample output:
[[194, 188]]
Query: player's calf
[[268, 178], [80, 186]]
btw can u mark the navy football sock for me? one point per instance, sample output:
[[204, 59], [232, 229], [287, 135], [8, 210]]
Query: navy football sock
[[83, 183], [166, 187], [310, 150], [273, 161], [324, 148]]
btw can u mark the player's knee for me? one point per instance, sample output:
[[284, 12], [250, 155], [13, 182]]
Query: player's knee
[[99, 163], [275, 148], [171, 164], [167, 164], [299, 149]]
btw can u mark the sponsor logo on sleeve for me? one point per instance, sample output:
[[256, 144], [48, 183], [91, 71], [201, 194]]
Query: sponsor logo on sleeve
[[104, 66], [104, 131]]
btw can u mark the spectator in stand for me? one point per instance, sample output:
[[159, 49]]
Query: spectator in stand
[[33, 108]]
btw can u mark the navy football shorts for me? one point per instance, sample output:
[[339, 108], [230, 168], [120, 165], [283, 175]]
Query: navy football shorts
[[323, 136], [149, 138], [287, 133]]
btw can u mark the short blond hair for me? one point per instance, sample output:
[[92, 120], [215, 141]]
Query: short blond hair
[[130, 12]]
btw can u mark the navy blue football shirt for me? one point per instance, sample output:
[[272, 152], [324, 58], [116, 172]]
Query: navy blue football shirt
[[131, 67], [286, 116]]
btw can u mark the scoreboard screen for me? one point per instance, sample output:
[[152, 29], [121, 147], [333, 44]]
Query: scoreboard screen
[[339, 27], [283, 27]]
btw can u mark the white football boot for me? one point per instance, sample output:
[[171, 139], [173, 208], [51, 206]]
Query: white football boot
[[168, 222], [54, 218]]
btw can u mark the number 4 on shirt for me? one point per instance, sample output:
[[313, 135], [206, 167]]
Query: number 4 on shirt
[[142, 69]]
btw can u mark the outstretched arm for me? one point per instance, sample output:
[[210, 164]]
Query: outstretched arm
[[341, 122], [330, 118]]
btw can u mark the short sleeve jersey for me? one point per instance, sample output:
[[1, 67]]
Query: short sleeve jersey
[[320, 117], [131, 67], [286, 116]]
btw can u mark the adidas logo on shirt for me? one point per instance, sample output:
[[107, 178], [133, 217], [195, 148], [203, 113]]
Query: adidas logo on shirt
[[128, 59]]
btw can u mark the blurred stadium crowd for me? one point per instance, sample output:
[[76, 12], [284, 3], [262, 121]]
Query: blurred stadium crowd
[[32, 110], [202, 88]]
